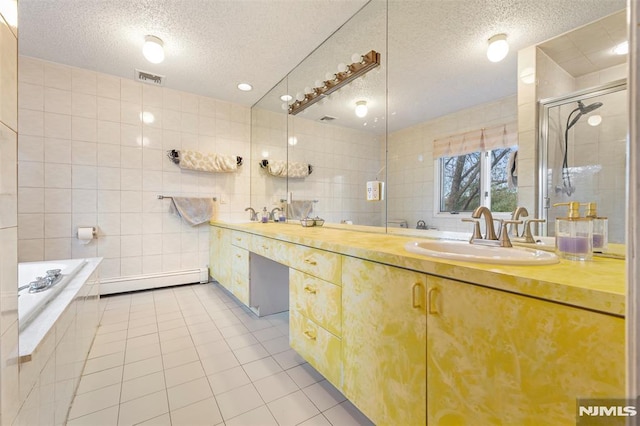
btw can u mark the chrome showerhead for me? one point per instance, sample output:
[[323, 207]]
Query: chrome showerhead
[[589, 108], [583, 110]]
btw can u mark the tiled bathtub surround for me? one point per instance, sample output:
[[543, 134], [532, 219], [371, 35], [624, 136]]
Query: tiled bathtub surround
[[92, 153], [9, 398]]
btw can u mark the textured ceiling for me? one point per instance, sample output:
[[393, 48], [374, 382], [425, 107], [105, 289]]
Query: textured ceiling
[[434, 52], [210, 45]]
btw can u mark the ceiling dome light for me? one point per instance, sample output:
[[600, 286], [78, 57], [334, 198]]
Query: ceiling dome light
[[498, 48], [286, 98], [153, 49], [245, 87], [361, 109], [622, 48]]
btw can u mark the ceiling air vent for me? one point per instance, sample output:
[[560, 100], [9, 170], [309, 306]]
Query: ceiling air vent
[[147, 77], [328, 118]]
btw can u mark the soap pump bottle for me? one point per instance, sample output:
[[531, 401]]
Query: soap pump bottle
[[574, 234], [265, 215], [600, 228]]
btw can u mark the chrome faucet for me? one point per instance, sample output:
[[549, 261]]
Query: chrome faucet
[[478, 213], [490, 237], [273, 213], [517, 213], [253, 215]]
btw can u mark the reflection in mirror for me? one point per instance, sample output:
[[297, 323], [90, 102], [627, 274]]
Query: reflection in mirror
[[585, 161], [435, 81], [583, 145], [345, 150]]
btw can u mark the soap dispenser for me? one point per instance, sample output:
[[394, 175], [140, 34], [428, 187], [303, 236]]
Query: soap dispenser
[[574, 234], [600, 228], [265, 215]]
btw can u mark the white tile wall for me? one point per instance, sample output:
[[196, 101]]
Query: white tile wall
[[87, 159], [340, 170]]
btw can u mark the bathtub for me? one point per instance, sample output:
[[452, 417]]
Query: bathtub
[[31, 304]]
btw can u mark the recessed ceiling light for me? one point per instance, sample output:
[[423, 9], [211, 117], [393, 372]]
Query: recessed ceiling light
[[622, 48], [245, 87], [286, 98], [153, 49]]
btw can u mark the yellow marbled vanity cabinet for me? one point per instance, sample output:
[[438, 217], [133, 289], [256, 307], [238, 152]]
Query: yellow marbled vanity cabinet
[[408, 347], [495, 357], [384, 327]]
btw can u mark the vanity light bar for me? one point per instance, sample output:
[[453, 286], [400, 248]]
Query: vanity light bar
[[369, 61]]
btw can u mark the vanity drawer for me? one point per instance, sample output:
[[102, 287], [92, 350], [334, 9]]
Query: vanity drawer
[[316, 299], [240, 239], [317, 346], [319, 263], [264, 246]]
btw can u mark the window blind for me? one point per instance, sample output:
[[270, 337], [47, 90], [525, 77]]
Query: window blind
[[487, 138]]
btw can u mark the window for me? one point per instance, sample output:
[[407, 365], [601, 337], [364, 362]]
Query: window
[[476, 178], [475, 169]]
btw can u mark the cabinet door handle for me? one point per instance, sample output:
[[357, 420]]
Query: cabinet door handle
[[432, 301], [309, 335], [309, 289], [310, 261], [265, 247], [238, 256], [415, 297]]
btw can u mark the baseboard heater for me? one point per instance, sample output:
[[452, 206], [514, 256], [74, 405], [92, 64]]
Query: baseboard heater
[[148, 281]]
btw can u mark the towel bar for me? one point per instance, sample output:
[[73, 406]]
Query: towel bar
[[160, 197]]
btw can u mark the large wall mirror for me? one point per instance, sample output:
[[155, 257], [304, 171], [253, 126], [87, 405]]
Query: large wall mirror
[[434, 82]]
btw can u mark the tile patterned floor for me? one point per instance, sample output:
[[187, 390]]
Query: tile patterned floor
[[192, 355]]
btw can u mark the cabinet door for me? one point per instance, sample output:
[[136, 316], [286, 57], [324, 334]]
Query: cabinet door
[[240, 274], [220, 256], [499, 358], [384, 341]]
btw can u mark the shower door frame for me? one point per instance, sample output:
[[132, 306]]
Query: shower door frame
[[543, 199]]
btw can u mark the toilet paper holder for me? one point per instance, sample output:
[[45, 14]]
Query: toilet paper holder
[[86, 234]]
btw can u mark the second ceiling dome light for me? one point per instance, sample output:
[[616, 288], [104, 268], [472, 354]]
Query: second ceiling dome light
[[498, 48]]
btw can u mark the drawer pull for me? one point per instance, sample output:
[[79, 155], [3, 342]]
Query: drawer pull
[[238, 239], [265, 247], [309, 335], [432, 301], [309, 289], [238, 256], [310, 262], [415, 297]]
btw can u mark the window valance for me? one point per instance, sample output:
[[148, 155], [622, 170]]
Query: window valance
[[487, 138]]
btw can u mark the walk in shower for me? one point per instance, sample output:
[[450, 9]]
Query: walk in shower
[[583, 154]]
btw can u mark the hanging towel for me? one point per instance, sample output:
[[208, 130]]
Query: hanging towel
[[193, 210], [195, 160], [283, 169], [512, 170], [299, 209]]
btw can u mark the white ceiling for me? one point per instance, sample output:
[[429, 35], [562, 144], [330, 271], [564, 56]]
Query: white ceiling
[[436, 48], [210, 45]]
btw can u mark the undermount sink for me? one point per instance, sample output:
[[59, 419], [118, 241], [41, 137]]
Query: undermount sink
[[460, 250]]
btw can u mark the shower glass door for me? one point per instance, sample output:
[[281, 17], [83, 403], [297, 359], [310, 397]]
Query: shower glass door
[[583, 155]]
